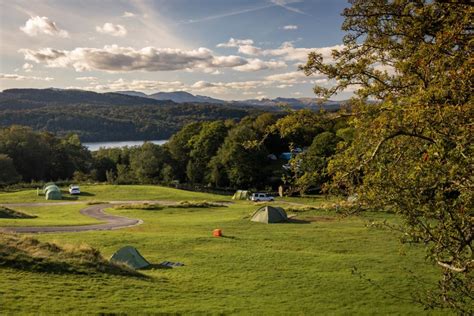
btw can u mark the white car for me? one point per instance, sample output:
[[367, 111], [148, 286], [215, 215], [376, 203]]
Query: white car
[[261, 197], [74, 190]]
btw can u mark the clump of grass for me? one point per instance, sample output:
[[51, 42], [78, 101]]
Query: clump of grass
[[143, 206], [26, 253], [6, 212], [197, 204], [96, 202], [301, 209]]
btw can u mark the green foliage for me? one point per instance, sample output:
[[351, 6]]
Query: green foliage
[[412, 150], [242, 167], [41, 156], [204, 147], [146, 163], [8, 173], [299, 127], [180, 147]]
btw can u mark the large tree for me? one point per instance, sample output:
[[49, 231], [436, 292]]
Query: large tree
[[411, 64]]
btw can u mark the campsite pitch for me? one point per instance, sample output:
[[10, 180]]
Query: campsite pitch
[[281, 268]]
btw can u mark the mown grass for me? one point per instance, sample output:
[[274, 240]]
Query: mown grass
[[112, 193], [254, 269], [51, 215]]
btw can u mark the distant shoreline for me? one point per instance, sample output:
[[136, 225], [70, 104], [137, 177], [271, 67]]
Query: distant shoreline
[[94, 146]]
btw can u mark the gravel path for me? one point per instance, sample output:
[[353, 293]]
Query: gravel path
[[94, 211]]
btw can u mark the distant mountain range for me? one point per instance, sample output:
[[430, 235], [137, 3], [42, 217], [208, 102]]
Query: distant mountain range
[[270, 104], [107, 116], [129, 115]]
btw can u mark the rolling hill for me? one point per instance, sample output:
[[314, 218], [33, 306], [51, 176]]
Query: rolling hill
[[105, 116]]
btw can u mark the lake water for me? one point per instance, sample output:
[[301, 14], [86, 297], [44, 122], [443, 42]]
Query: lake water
[[96, 146]]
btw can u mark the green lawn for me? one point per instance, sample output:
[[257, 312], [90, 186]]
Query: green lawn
[[113, 193], [255, 269], [51, 215]]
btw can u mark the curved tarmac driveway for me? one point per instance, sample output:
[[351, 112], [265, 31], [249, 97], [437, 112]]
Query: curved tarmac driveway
[[94, 211]]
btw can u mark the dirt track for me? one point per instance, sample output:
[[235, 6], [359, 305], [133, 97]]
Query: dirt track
[[94, 211]]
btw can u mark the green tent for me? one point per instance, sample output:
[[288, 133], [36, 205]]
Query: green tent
[[269, 214], [47, 185], [241, 195], [52, 192], [130, 256]]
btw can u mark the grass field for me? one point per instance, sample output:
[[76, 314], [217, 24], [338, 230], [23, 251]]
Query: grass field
[[53, 215], [291, 268], [112, 193]]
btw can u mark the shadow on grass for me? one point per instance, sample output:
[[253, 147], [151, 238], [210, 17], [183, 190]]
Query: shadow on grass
[[154, 266], [229, 237], [86, 194], [297, 221], [69, 198]]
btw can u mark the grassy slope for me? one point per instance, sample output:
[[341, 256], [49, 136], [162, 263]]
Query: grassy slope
[[112, 193], [9, 213], [54, 215], [30, 254], [268, 269]]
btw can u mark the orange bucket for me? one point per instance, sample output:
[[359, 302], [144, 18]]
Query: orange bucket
[[217, 233]]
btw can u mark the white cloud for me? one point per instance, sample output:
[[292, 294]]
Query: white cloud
[[257, 64], [127, 14], [42, 25], [249, 87], [121, 59], [250, 50], [286, 51], [136, 85], [87, 78], [288, 77], [236, 42], [112, 29], [290, 27], [227, 87], [27, 67], [290, 53], [21, 78]]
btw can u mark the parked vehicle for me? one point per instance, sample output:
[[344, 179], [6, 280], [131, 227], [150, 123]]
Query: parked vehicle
[[74, 190], [262, 197]]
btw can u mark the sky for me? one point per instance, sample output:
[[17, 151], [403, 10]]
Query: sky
[[227, 49]]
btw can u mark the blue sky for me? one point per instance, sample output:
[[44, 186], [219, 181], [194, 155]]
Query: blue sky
[[229, 49]]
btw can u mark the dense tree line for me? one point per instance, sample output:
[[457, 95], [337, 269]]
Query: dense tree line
[[219, 154], [26, 155]]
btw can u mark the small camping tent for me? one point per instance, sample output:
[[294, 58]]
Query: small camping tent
[[130, 256], [52, 192], [241, 195], [269, 214], [46, 185]]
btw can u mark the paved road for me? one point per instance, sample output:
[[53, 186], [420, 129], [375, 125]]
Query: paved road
[[94, 211]]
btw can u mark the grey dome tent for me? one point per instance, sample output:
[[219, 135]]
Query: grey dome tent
[[269, 214], [130, 256], [52, 192]]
